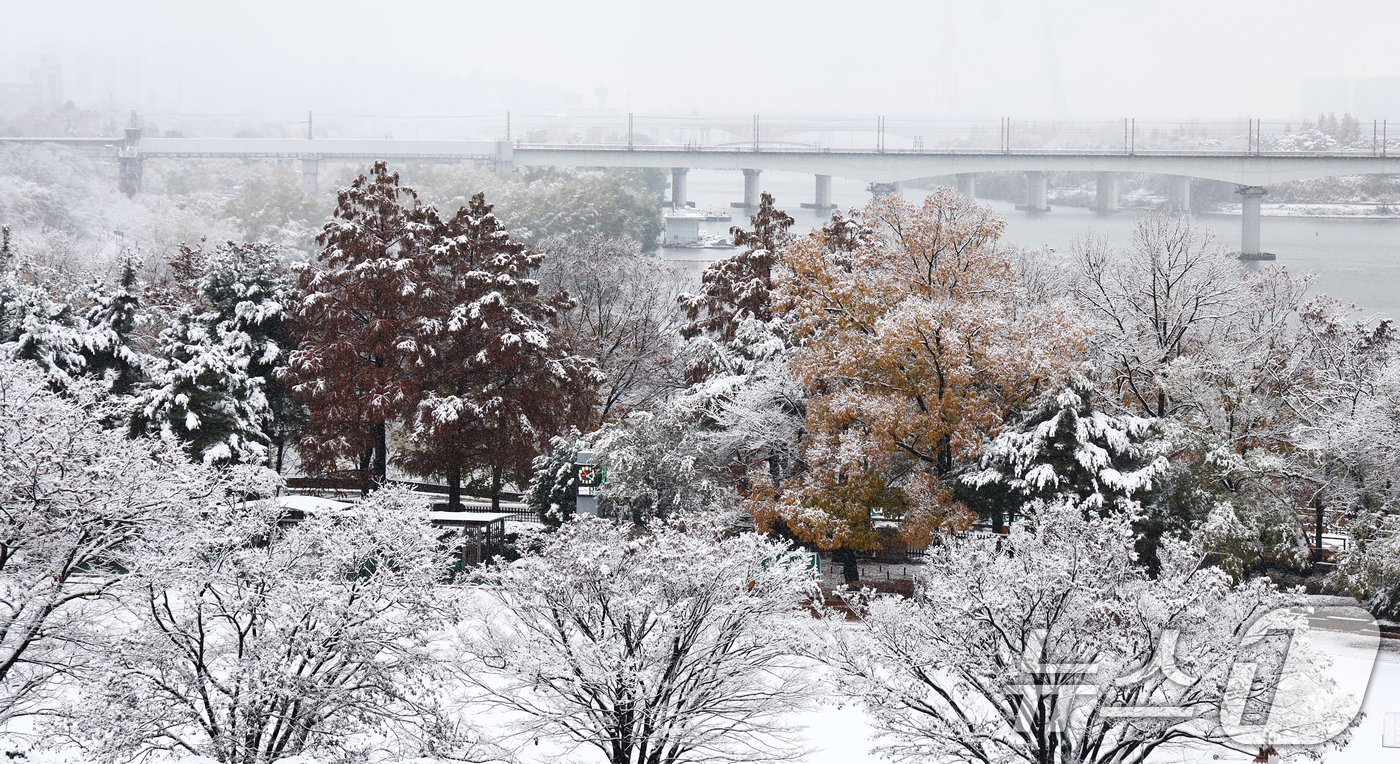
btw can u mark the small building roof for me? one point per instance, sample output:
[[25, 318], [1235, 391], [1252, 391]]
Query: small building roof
[[311, 504]]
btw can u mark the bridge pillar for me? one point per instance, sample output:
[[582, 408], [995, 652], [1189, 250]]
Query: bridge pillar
[[678, 189], [310, 171], [1037, 192], [967, 184], [1107, 199], [1249, 235], [1179, 193], [750, 191], [885, 189], [129, 161], [823, 201]]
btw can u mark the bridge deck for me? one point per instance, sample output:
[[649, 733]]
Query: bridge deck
[[880, 166]]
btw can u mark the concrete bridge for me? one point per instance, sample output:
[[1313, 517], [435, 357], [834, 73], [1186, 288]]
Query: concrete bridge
[[1251, 171]]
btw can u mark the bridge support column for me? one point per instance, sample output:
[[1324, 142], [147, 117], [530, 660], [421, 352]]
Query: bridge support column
[[678, 189], [310, 171], [1249, 234], [1107, 199], [967, 184], [750, 191], [1179, 193], [129, 160], [823, 201], [885, 189], [1037, 192]]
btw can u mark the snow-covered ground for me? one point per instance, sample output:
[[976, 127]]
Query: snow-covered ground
[[837, 733]]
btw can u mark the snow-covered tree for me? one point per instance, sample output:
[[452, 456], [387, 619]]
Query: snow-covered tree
[[36, 327], [744, 391], [356, 323], [212, 386], [916, 343], [201, 393], [660, 465], [659, 648], [740, 286], [73, 497], [1066, 450], [552, 494], [247, 295], [177, 289], [617, 204], [1234, 360], [249, 642], [496, 379], [625, 317], [1168, 295], [1370, 570], [111, 319], [1053, 645]]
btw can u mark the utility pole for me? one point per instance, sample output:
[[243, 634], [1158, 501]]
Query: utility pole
[[629, 131], [507, 127], [308, 124], [755, 132]]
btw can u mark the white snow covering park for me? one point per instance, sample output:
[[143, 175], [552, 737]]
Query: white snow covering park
[[841, 733]]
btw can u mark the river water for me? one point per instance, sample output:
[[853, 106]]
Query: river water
[[1357, 261]]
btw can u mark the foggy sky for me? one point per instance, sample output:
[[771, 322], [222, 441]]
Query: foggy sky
[[940, 58]]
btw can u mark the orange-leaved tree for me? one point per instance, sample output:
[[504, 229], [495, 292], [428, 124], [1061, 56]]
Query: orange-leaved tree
[[918, 338]]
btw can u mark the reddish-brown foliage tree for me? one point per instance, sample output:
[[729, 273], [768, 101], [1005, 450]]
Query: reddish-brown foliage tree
[[357, 365], [740, 286], [497, 383], [178, 285]]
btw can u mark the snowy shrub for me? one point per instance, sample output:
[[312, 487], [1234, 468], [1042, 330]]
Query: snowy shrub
[[663, 646], [1053, 644], [248, 642], [73, 498]]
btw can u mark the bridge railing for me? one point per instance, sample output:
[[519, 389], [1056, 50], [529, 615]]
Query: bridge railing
[[1128, 135], [1327, 135]]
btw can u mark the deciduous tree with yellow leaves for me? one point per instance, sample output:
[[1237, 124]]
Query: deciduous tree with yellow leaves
[[917, 340]]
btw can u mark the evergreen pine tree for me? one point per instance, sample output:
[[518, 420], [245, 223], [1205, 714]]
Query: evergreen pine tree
[[110, 321], [247, 290], [201, 394], [1063, 450]]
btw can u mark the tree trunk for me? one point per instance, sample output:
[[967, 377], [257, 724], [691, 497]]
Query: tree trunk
[[381, 454], [454, 489], [365, 459], [1317, 502], [945, 456], [281, 450], [850, 568], [998, 521], [495, 489]]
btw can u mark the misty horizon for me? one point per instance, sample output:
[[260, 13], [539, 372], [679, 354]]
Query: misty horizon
[[1088, 60]]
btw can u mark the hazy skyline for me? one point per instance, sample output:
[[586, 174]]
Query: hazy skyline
[[940, 58]]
